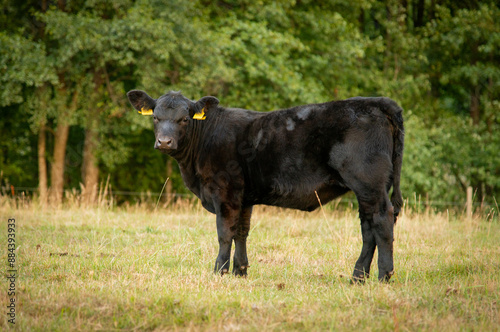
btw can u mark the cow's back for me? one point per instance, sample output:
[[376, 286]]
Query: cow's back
[[294, 164]]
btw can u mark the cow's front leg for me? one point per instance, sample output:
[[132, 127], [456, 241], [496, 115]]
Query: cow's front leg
[[240, 261], [227, 218]]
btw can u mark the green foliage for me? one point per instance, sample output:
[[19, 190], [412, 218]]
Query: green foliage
[[447, 158], [23, 63], [464, 53], [74, 61]]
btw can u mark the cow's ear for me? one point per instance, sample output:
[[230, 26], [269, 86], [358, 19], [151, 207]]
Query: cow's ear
[[202, 107], [141, 101]]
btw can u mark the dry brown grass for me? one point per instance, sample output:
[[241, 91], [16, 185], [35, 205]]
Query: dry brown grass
[[135, 268]]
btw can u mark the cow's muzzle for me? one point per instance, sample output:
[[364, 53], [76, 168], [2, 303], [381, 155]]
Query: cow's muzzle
[[165, 143]]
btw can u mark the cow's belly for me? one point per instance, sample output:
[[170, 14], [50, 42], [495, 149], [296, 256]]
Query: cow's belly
[[309, 202], [306, 198]]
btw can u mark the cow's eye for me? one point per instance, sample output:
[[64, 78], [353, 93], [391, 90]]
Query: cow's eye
[[155, 118], [186, 119]]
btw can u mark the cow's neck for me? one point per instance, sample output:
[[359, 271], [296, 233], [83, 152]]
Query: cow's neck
[[187, 156]]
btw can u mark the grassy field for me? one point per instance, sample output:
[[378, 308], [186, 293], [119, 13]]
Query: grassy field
[[139, 269]]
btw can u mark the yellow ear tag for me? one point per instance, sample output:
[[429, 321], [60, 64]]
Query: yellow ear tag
[[146, 112], [201, 115]]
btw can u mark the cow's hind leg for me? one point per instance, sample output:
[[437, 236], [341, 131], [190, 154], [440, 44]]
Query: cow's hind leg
[[383, 229], [240, 261], [367, 176], [362, 267], [377, 224]]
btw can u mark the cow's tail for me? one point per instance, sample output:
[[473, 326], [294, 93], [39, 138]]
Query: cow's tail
[[395, 116]]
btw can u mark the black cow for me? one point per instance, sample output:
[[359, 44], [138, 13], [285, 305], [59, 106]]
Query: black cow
[[234, 158]]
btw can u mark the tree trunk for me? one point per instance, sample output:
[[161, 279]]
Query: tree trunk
[[57, 171], [432, 10], [361, 20], [474, 105], [475, 90], [42, 166], [60, 142], [61, 4], [90, 169], [491, 116], [420, 14], [404, 10]]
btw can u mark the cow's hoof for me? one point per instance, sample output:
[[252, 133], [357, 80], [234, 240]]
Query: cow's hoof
[[358, 280], [221, 269], [241, 271], [221, 272], [386, 277], [359, 277]]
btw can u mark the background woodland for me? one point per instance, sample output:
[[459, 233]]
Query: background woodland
[[65, 67]]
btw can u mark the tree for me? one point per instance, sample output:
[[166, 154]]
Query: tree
[[25, 70], [464, 53], [100, 47], [464, 50]]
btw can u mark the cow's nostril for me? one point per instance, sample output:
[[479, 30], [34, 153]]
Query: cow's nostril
[[165, 142]]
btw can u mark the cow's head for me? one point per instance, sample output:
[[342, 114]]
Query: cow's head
[[173, 116]]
